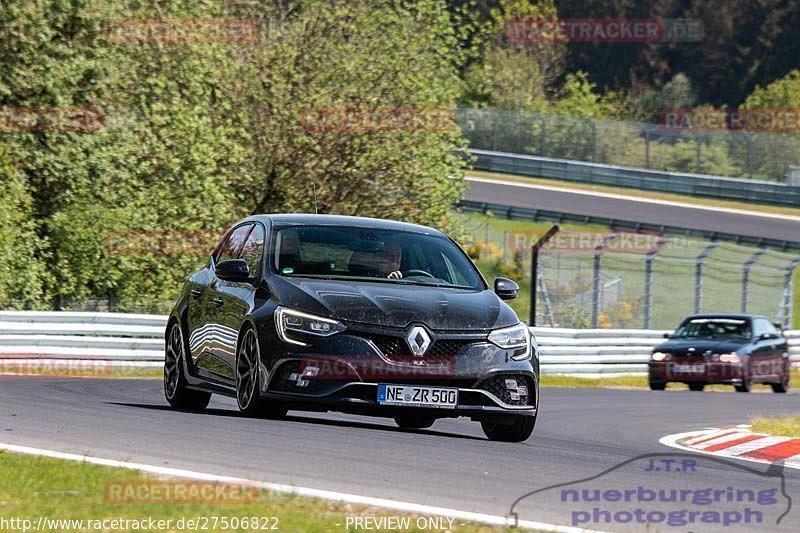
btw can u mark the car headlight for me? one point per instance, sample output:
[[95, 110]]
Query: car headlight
[[730, 358], [288, 321], [518, 336], [658, 356]]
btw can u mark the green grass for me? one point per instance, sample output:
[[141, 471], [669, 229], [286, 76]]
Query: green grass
[[786, 426], [640, 382], [31, 487]]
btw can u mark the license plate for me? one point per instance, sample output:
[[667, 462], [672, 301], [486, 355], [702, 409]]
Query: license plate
[[697, 368], [417, 396]]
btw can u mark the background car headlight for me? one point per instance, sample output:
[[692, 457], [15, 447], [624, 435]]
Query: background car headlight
[[518, 336], [288, 321], [658, 356], [730, 358]]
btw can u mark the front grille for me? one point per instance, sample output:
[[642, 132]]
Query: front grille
[[511, 389], [441, 351]]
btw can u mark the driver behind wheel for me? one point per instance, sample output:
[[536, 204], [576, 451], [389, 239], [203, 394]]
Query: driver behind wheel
[[383, 264], [388, 261]]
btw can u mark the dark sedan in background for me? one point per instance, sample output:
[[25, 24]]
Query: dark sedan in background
[[319, 312], [737, 349]]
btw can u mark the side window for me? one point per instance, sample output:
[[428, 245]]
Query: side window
[[233, 244], [759, 327], [253, 250], [772, 329]]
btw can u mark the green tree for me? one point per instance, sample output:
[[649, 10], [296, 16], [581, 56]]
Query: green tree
[[364, 57]]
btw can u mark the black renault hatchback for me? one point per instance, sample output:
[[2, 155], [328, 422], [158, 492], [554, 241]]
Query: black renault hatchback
[[358, 315]]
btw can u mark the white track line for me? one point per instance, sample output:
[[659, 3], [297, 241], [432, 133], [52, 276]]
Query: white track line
[[300, 491], [686, 205]]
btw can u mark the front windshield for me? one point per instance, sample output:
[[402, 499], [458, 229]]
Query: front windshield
[[340, 252], [727, 328]]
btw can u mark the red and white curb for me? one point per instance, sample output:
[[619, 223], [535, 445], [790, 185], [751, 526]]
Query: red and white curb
[[738, 442]]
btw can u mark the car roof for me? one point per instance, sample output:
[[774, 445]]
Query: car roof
[[342, 220], [743, 316]]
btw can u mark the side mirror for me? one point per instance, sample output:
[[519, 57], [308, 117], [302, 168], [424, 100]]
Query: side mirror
[[778, 326], [667, 335], [233, 270], [506, 289]]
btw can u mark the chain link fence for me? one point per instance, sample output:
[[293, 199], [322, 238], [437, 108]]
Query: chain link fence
[[754, 155], [608, 279]]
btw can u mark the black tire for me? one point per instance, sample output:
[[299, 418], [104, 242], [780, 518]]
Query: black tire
[[518, 431], [747, 381], [176, 391], [414, 422], [783, 385], [696, 386], [657, 385], [248, 397]]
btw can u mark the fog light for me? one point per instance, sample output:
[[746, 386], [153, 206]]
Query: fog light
[[511, 384]]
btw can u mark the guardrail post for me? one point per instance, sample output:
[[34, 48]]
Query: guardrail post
[[535, 270], [697, 154], [543, 137], [749, 137], [494, 130], [648, 284], [786, 310], [698, 275], [746, 277], [646, 147], [598, 250]]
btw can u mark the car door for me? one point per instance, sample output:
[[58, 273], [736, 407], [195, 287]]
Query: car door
[[234, 300], [199, 309], [762, 352], [776, 349], [213, 364]]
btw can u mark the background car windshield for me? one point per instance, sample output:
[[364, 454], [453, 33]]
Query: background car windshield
[[738, 329], [349, 252]]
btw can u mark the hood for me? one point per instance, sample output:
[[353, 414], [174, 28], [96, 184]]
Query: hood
[[398, 306], [700, 346]]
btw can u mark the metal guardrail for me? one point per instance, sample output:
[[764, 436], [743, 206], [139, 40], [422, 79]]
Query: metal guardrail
[[137, 340], [772, 193], [527, 213]]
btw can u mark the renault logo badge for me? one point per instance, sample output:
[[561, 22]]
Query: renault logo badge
[[418, 340]]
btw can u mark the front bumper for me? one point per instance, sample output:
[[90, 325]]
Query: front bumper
[[705, 371], [342, 373]]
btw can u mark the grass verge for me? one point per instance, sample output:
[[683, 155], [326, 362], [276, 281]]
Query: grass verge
[[638, 382], [785, 426], [33, 487]]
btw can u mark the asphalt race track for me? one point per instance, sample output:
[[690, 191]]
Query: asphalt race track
[[530, 196], [580, 433]]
